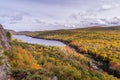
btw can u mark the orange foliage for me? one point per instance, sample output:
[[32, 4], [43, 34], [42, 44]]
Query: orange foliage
[[26, 60]]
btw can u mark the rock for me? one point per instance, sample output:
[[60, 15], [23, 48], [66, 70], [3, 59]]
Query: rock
[[5, 67], [55, 78], [3, 38], [93, 65]]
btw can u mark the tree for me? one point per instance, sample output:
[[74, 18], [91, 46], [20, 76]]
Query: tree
[[9, 35]]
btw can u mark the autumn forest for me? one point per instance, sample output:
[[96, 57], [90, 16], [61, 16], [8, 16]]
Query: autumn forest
[[90, 54]]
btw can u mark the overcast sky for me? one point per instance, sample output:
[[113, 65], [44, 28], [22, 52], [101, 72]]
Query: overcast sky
[[57, 14]]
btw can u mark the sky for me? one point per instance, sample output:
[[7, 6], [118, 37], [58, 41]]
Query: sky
[[32, 15]]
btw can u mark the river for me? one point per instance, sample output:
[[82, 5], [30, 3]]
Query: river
[[31, 40]]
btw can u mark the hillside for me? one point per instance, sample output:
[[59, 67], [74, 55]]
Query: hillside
[[101, 43], [38, 62]]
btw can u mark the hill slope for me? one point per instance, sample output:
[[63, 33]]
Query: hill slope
[[101, 43]]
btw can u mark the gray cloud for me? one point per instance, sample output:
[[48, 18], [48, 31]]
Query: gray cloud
[[38, 14]]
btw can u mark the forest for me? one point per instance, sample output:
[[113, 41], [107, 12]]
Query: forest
[[102, 43], [38, 62]]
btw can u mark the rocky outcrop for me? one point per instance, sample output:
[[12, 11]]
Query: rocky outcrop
[[3, 38], [4, 45]]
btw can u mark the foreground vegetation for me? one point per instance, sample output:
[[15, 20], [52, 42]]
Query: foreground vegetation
[[99, 42], [37, 62]]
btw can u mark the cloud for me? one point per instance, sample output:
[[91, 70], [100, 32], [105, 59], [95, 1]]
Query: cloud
[[40, 22], [105, 7], [46, 14], [18, 16], [112, 21]]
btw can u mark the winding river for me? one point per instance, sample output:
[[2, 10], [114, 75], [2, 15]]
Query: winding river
[[38, 41]]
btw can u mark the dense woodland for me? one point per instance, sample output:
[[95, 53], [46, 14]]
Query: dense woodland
[[37, 62], [102, 43]]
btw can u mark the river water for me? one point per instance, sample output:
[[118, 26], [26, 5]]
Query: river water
[[28, 39]]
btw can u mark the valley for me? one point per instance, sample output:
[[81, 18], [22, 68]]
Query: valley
[[59, 40], [79, 54]]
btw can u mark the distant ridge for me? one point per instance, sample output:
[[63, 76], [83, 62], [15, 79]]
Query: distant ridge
[[100, 28], [93, 28]]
